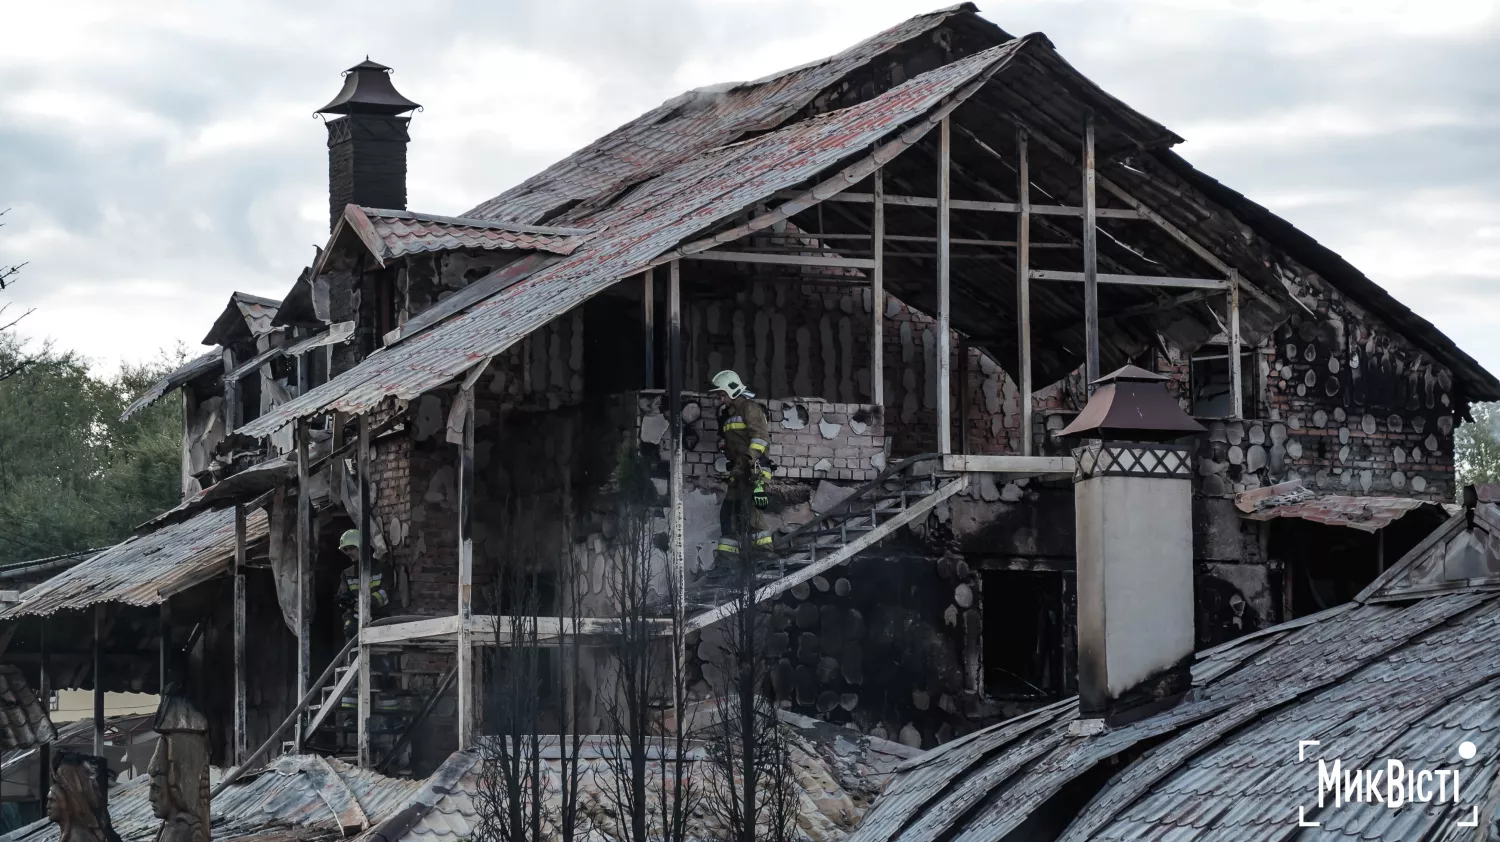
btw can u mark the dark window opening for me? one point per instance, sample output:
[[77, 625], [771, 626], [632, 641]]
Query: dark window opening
[[614, 346], [1024, 634], [1327, 565], [385, 306], [1209, 374], [249, 397], [317, 366]]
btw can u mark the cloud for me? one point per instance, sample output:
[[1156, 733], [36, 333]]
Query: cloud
[[159, 155]]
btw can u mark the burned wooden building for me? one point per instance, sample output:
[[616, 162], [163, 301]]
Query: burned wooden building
[[921, 253]]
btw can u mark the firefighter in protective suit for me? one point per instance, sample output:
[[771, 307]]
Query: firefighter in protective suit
[[744, 437], [348, 598]]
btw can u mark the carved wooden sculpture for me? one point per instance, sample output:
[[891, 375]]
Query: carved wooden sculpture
[[179, 772], [78, 801]]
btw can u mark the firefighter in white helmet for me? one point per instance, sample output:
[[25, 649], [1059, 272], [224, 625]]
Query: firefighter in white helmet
[[348, 598], [744, 437]]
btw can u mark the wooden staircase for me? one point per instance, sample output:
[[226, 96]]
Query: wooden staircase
[[899, 495], [332, 727]]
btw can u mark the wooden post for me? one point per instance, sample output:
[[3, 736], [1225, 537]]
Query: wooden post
[[304, 377], [164, 645], [467, 715], [231, 395], [99, 609], [362, 730], [963, 396], [676, 542], [1090, 260], [241, 739], [944, 331], [1023, 288], [1236, 381], [648, 309], [304, 572], [44, 693], [877, 297]]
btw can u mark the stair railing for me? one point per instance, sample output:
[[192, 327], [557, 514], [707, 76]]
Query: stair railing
[[312, 693], [808, 531]]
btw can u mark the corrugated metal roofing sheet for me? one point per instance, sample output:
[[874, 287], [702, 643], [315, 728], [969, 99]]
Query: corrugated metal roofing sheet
[[1294, 500], [390, 234], [650, 221], [1409, 681], [193, 369], [146, 569]]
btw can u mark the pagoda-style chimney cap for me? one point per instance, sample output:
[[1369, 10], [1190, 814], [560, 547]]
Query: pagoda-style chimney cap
[[368, 90], [1132, 404]]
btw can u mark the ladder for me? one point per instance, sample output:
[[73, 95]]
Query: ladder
[[899, 495]]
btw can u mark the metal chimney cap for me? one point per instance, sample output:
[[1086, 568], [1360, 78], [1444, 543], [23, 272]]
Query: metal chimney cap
[[368, 90], [1132, 404], [1132, 373]]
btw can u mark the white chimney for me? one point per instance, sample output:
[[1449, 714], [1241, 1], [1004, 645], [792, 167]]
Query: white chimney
[[1132, 492]]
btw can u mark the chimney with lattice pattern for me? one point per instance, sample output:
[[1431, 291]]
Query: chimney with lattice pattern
[[367, 140]]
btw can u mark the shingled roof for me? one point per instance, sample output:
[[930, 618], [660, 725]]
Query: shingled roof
[[1409, 670]]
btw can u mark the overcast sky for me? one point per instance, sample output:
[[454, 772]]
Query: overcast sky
[[158, 155]]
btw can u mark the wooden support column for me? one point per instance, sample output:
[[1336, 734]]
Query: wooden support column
[[963, 395], [877, 297], [304, 573], [1023, 288], [944, 330], [304, 377], [240, 704], [231, 394], [1236, 381], [648, 314], [99, 609], [676, 543], [468, 716], [44, 693], [164, 645], [1090, 260], [366, 559]]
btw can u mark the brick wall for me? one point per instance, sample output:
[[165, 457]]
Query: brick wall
[[810, 438]]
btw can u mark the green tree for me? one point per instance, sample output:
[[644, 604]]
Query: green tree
[[72, 475], [1476, 446]]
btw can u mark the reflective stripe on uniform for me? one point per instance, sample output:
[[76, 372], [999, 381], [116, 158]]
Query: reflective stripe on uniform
[[353, 584], [762, 539], [726, 547], [759, 445]]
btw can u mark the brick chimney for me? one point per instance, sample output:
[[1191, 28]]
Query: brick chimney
[[1132, 493], [367, 141]]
